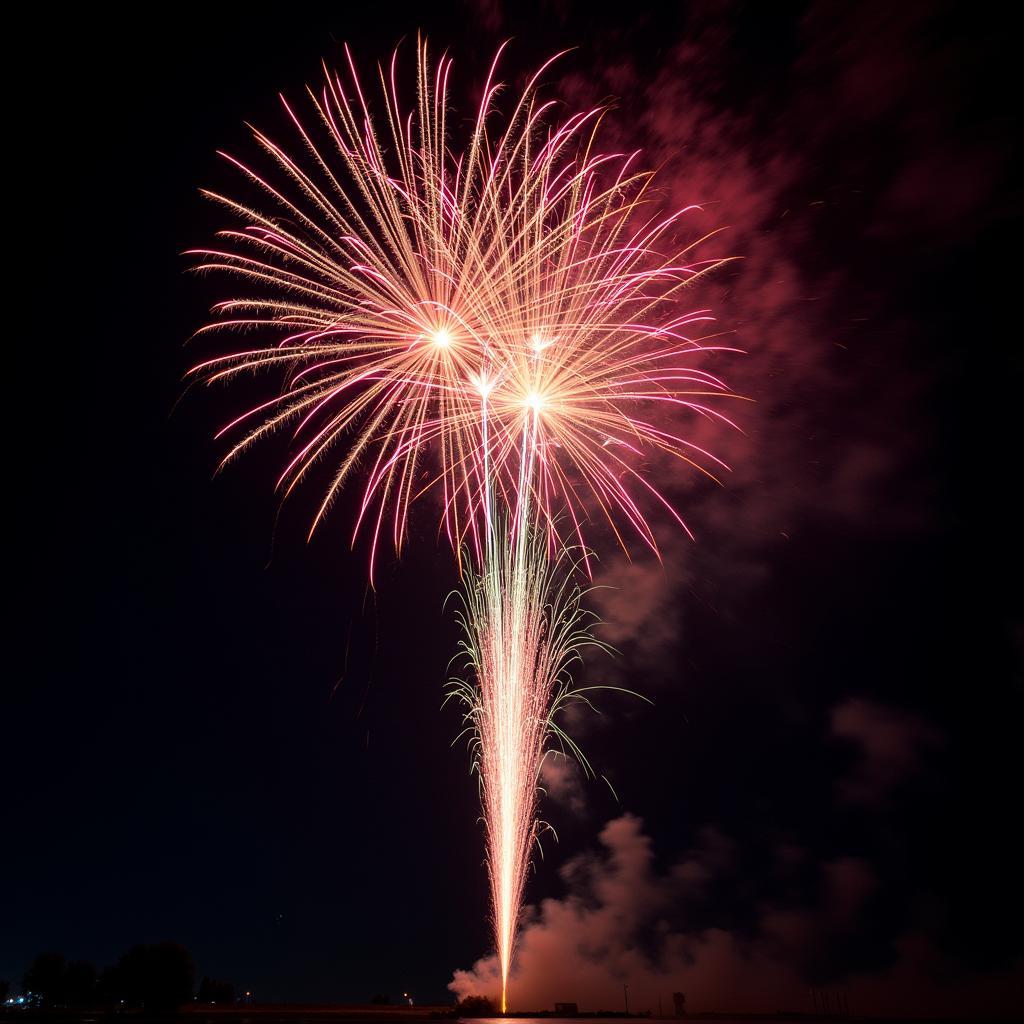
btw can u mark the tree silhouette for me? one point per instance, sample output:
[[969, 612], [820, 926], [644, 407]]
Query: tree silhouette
[[475, 1006], [108, 987], [156, 977], [79, 984], [45, 978]]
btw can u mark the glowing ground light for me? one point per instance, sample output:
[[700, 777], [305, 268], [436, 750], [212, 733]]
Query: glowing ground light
[[545, 281]]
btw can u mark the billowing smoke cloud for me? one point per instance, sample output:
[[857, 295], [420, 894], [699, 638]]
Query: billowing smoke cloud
[[821, 219], [622, 923], [892, 744], [636, 602], [847, 179], [561, 780]]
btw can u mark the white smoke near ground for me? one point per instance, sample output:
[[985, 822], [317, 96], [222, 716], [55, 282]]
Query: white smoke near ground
[[618, 925], [613, 929]]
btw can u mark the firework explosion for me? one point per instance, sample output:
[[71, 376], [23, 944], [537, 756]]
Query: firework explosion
[[497, 326]]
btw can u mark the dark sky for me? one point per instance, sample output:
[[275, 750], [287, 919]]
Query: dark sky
[[215, 733]]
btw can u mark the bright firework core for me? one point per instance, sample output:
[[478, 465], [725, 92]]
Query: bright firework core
[[425, 306], [535, 401]]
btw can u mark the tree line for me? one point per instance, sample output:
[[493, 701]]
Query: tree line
[[157, 977]]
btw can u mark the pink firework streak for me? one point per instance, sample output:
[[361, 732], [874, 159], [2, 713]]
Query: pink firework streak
[[497, 325]]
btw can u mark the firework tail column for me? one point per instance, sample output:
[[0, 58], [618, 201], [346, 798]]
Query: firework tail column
[[514, 708]]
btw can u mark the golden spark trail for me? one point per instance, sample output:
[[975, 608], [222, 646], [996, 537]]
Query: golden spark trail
[[524, 628]]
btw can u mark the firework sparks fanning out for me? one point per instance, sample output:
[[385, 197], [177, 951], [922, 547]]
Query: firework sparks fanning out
[[524, 628], [496, 325]]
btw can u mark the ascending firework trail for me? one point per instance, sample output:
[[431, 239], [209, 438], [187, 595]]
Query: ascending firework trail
[[499, 323]]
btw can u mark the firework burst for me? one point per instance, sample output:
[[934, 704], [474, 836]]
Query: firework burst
[[498, 325]]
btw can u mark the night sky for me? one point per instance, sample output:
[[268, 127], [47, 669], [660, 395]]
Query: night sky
[[218, 734]]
